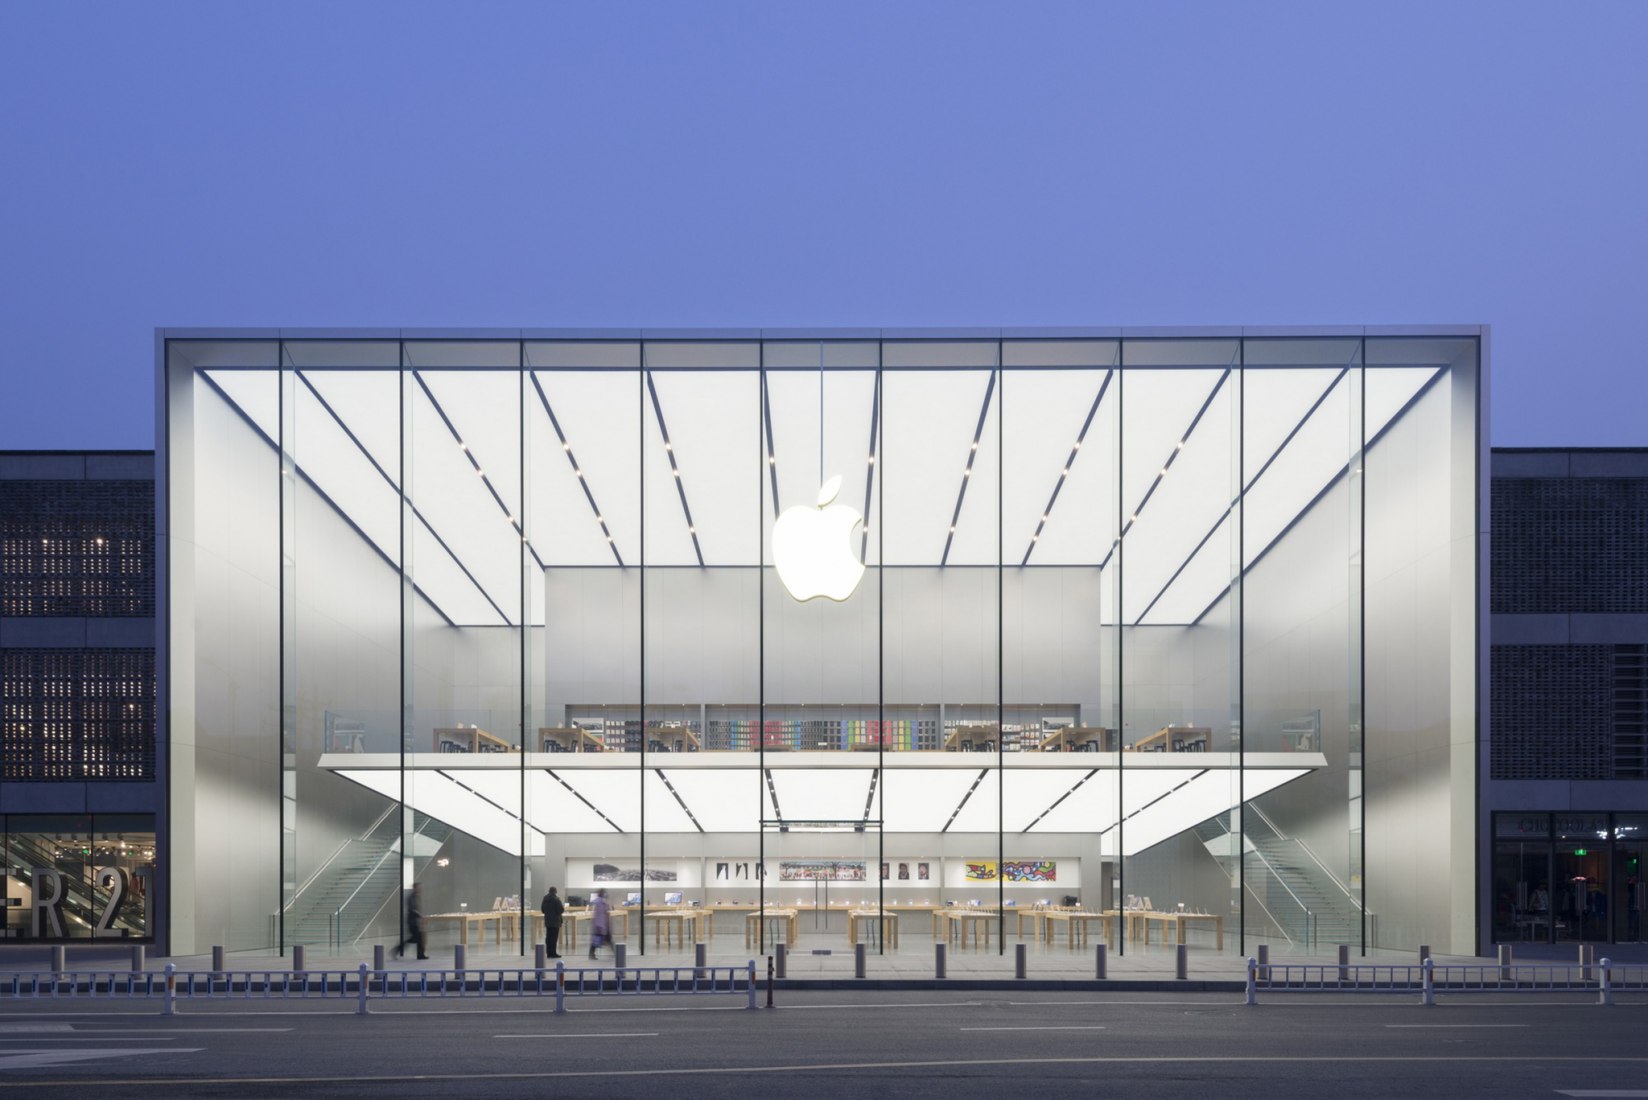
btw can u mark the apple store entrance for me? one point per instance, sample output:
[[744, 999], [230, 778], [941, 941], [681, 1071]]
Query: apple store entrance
[[819, 639]]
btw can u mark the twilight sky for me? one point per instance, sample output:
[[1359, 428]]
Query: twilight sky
[[773, 164]]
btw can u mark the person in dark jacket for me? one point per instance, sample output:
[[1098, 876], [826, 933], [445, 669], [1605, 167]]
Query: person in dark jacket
[[552, 922], [414, 923]]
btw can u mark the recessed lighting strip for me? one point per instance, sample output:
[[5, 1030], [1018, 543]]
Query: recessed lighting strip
[[982, 773], [772, 791], [869, 473], [1059, 799], [1069, 464], [1153, 801], [579, 796], [684, 808], [669, 452], [967, 474], [772, 448], [869, 801], [1178, 448], [577, 470], [1239, 496], [475, 464]]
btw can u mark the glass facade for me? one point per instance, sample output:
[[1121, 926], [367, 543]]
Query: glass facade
[[1161, 639], [1568, 877], [77, 876]]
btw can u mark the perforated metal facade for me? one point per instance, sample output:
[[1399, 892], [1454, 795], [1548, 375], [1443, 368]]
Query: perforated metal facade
[[77, 714], [1570, 545], [80, 547]]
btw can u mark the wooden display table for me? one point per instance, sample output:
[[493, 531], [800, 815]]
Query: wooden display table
[[1078, 739], [1176, 739], [956, 922], [677, 922], [888, 921], [976, 738], [568, 739], [1075, 923], [480, 919], [469, 739], [752, 925], [1173, 925]]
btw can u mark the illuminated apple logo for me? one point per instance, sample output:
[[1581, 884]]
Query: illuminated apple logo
[[812, 548]]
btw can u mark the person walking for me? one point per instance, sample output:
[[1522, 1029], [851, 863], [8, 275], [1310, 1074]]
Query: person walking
[[414, 923], [600, 921], [552, 909]]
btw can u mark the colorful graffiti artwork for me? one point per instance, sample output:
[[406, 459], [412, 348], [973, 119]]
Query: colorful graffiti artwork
[[1013, 870]]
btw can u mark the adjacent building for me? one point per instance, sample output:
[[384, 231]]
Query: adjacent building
[[1568, 749], [82, 792]]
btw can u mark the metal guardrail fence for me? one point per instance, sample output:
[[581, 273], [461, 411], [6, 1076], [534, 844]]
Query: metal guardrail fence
[[365, 985], [1429, 978]]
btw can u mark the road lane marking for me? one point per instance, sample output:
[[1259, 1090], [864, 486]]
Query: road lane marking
[[1048, 1027], [91, 1038], [819, 1067], [41, 1058], [919, 1004], [585, 1035], [1456, 1025], [1602, 1092]]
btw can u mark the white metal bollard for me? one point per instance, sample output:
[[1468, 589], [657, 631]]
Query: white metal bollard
[[1252, 996], [169, 1005], [1427, 995], [560, 988], [752, 985], [361, 1011], [1606, 990]]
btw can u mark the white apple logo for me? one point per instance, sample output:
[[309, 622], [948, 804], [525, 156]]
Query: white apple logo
[[812, 550]]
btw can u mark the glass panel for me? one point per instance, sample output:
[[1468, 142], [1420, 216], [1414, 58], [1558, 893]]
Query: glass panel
[[1302, 600], [1626, 904], [944, 731], [701, 452], [1421, 494], [1522, 890], [584, 782], [465, 844], [1180, 615], [819, 749], [1059, 758], [49, 864]]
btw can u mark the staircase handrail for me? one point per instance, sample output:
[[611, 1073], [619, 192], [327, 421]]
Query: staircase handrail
[[1309, 916], [337, 915], [1219, 820], [1305, 848], [366, 834]]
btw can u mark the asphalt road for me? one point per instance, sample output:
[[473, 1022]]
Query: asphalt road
[[909, 1045]]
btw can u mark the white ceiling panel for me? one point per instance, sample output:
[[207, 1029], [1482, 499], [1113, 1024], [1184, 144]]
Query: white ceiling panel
[[669, 538], [1030, 791], [553, 807], [1390, 388], [1202, 580], [930, 419], [369, 403], [665, 814], [1045, 411], [485, 409], [982, 811], [256, 393], [837, 794], [723, 800], [1313, 458], [451, 496], [560, 522], [1273, 404], [1083, 525], [1157, 409], [600, 413], [921, 800], [978, 535], [712, 420], [342, 471], [1194, 490], [444, 583]]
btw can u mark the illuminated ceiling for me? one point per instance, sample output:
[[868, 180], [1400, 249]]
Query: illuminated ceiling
[[1156, 795], [565, 455]]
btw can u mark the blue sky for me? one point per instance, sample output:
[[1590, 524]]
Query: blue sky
[[823, 164]]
